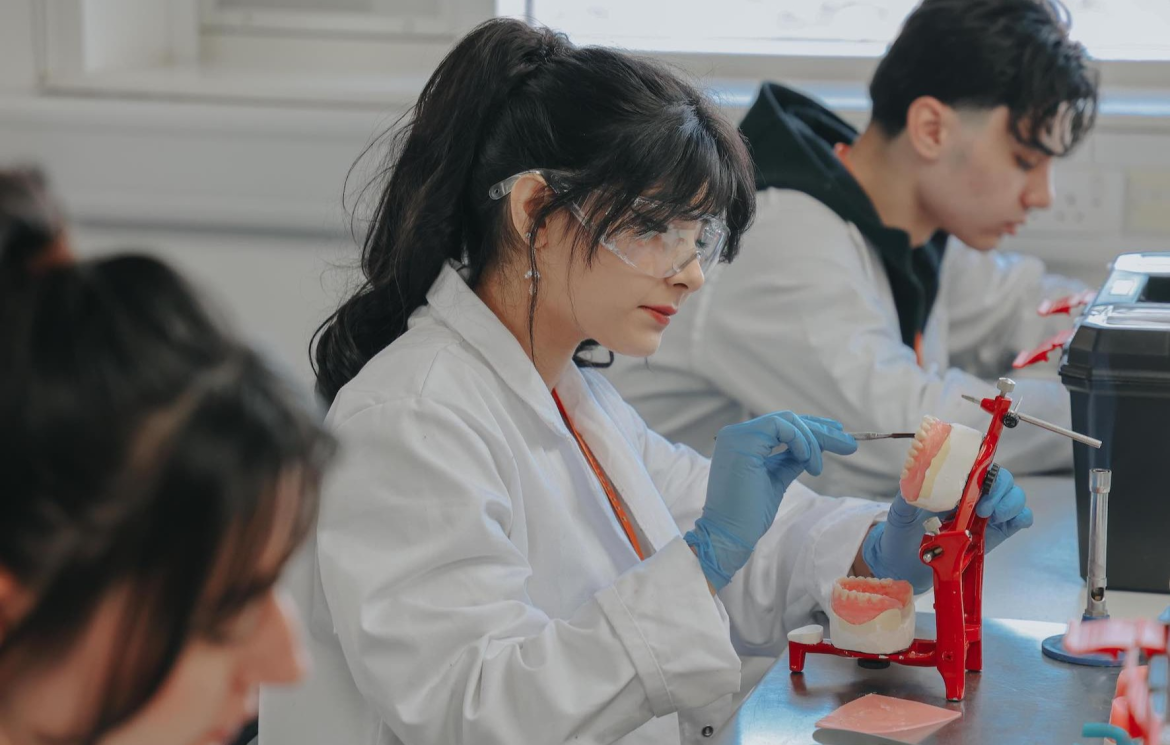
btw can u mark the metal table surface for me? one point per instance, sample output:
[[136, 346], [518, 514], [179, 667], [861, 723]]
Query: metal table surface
[[1021, 697], [1035, 574]]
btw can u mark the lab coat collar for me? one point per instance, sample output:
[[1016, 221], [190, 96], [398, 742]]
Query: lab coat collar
[[452, 303], [455, 305]]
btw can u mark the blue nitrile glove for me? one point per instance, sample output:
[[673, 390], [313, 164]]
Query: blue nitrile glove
[[747, 482], [891, 548]]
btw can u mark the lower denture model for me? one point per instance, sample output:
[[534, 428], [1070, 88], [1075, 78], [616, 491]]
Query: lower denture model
[[937, 466], [877, 615], [871, 615]]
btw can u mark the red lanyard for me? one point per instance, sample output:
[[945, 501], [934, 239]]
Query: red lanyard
[[606, 484]]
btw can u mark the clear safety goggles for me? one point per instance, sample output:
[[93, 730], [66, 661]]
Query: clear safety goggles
[[660, 250]]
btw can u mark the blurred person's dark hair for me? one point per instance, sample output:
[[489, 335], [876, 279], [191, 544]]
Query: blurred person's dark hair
[[146, 454]]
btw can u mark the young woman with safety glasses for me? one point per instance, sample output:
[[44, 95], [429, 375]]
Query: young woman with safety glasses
[[506, 554]]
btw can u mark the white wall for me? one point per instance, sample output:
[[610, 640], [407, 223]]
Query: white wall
[[247, 198], [275, 289], [17, 68]]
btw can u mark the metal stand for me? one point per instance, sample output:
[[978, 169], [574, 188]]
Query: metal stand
[[1100, 480]]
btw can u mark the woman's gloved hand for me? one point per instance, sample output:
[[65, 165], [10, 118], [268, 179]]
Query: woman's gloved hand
[[747, 482], [891, 548]]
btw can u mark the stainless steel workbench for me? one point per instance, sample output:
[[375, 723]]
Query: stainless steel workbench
[[1021, 697], [1034, 575]]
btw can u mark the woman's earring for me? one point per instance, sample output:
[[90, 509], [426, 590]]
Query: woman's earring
[[532, 276]]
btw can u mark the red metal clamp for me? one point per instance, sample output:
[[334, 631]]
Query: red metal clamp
[[1040, 353], [1067, 304]]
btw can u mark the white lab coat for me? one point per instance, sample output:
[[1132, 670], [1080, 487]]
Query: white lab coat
[[804, 319], [468, 582]]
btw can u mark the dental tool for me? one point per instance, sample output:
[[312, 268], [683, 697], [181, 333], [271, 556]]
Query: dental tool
[[866, 436]]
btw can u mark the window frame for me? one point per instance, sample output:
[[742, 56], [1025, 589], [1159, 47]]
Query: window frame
[[213, 19], [170, 53]]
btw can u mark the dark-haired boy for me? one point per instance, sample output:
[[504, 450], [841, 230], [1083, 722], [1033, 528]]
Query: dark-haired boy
[[869, 276]]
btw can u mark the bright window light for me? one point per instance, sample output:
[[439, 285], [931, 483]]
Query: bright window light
[[1111, 29]]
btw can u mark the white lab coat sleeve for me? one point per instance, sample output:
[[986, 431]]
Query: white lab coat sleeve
[[991, 299], [796, 323], [790, 575], [813, 543], [425, 581]]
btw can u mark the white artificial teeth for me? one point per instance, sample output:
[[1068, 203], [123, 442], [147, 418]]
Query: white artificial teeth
[[946, 475]]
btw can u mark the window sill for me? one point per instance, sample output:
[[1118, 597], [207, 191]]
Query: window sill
[[271, 152], [212, 85], [1122, 109]]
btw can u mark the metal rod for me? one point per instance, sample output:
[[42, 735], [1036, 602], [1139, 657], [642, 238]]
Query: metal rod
[[1100, 481], [1085, 439], [1090, 441], [862, 436]]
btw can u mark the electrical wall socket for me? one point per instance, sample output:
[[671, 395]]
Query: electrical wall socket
[[1085, 201]]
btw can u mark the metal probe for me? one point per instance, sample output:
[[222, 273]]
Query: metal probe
[[863, 436], [1095, 580]]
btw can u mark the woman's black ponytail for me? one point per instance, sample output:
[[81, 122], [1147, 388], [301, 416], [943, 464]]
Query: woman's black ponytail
[[31, 225], [421, 219], [511, 98]]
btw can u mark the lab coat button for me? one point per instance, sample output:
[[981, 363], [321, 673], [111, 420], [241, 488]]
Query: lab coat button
[[708, 731]]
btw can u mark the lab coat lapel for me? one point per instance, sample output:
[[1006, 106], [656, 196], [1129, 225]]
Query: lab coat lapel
[[454, 304], [619, 457]]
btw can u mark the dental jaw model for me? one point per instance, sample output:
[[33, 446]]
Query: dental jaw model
[[954, 551], [875, 616], [938, 464]]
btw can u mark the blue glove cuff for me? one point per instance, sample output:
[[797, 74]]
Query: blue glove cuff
[[871, 550], [720, 553], [920, 577]]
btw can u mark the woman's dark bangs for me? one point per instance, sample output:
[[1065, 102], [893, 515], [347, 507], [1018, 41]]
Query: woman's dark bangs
[[241, 438], [273, 496], [223, 470], [682, 174], [243, 573], [693, 178]]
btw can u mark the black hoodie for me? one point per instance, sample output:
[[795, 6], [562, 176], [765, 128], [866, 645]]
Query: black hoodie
[[791, 138]]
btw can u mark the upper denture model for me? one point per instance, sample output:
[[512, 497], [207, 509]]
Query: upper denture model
[[938, 464]]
